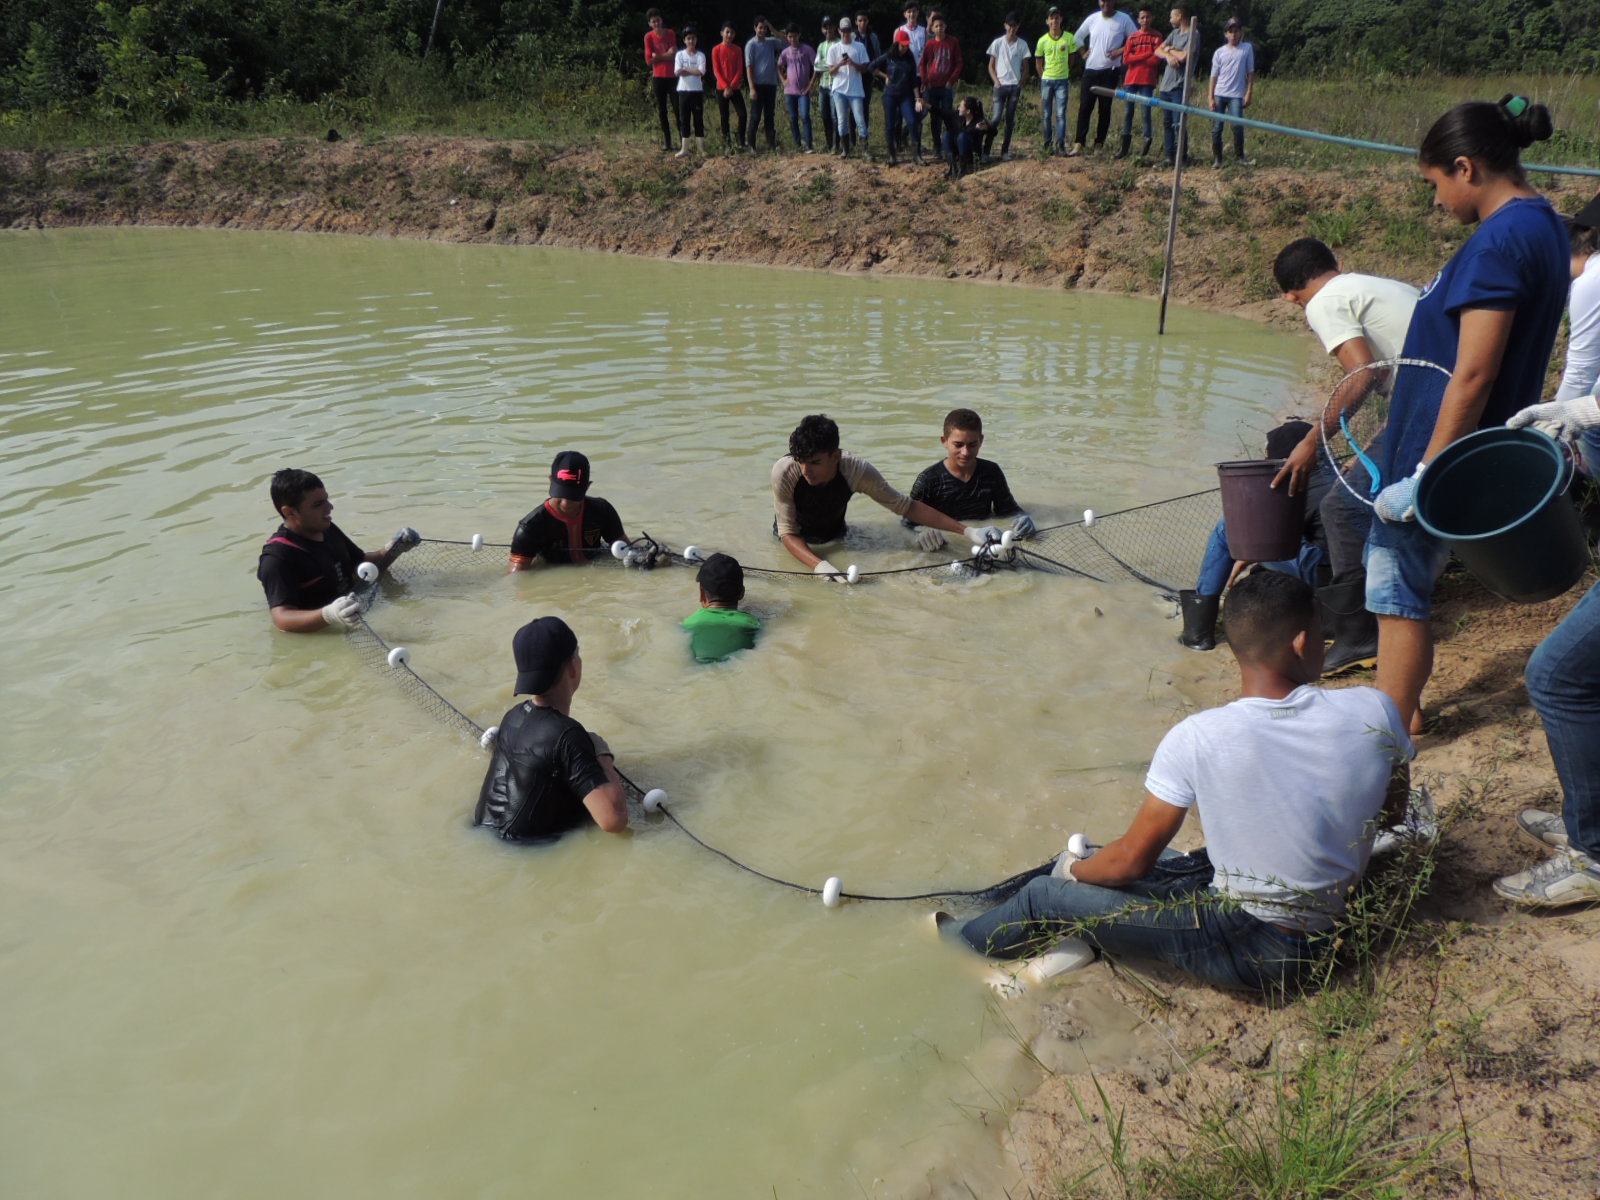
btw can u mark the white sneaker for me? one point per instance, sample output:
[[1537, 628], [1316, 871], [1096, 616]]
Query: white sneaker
[[1568, 878], [1419, 829], [1545, 827]]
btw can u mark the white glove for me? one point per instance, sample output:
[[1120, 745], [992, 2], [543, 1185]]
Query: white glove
[[1561, 419], [639, 556], [1022, 525], [1078, 849], [982, 534], [929, 539], [343, 612], [407, 539], [827, 568], [1398, 502], [600, 747]]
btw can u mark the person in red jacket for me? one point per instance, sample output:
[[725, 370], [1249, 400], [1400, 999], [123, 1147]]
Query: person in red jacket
[[727, 65], [1143, 68], [660, 50], [941, 71]]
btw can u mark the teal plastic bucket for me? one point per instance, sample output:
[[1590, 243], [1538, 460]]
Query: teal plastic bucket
[[1498, 498]]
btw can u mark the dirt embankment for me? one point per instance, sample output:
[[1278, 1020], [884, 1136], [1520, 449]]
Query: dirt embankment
[[1502, 1008]]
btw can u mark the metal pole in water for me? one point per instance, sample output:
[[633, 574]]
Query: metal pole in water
[[1181, 153]]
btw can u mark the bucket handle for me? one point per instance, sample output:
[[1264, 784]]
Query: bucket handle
[[1570, 454]]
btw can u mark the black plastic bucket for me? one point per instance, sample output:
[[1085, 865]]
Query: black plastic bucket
[[1498, 498], [1264, 523]]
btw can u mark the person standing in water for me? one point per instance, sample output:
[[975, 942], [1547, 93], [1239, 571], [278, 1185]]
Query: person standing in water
[[719, 629], [1490, 318], [308, 568], [964, 486], [571, 526]]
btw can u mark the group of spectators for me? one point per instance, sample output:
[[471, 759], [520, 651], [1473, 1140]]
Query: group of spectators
[[917, 69]]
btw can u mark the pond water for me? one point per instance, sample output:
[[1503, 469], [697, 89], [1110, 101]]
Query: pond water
[[251, 944]]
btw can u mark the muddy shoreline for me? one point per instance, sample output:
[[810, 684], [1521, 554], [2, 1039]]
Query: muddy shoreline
[[1509, 1003]]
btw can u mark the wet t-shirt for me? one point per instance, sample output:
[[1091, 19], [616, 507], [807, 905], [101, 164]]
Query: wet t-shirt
[[716, 633], [546, 534], [983, 496], [543, 766], [297, 572]]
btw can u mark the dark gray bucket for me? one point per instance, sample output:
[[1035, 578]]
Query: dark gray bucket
[[1498, 498], [1264, 523]]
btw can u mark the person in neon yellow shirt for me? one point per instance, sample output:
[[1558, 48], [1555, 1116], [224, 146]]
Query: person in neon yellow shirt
[[1054, 53]]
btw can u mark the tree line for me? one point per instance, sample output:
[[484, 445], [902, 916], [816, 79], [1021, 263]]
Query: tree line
[[174, 60]]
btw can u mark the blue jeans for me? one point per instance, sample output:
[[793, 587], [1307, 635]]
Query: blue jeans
[[799, 118], [846, 107], [900, 112], [1138, 89], [1564, 684], [1216, 564], [1234, 107], [1169, 123], [1403, 562], [1003, 103], [1171, 915], [1053, 96]]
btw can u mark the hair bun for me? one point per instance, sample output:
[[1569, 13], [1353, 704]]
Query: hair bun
[[1529, 122]]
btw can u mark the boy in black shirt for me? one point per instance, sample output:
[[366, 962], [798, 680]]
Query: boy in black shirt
[[571, 526], [308, 568], [964, 486]]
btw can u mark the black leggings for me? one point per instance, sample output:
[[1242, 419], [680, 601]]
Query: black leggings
[[762, 114], [735, 102], [1086, 99], [692, 114], [665, 88]]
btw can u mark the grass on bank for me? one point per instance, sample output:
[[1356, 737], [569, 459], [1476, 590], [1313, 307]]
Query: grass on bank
[[1337, 1111], [566, 108]]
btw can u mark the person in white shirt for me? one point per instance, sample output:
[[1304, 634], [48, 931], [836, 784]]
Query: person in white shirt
[[1292, 781], [1101, 38], [1009, 61], [1233, 86], [847, 64], [1581, 375], [690, 68]]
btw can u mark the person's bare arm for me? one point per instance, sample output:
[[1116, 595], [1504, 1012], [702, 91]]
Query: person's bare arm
[[994, 76], [1352, 356], [796, 545], [1132, 855], [921, 514], [1480, 349], [298, 620], [608, 803]]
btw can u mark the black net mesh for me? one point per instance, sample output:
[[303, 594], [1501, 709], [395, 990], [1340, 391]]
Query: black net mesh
[[1159, 545]]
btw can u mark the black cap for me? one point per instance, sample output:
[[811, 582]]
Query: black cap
[[1012, 19], [569, 476], [1054, 12], [1233, 23], [1589, 215], [828, 22], [1286, 437], [723, 578], [542, 648]]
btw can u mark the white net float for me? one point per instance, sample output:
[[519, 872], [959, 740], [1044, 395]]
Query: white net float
[[1078, 846], [619, 549], [1007, 538], [477, 541], [853, 574], [654, 799], [693, 554], [831, 890], [399, 656], [1088, 518], [489, 735], [367, 572]]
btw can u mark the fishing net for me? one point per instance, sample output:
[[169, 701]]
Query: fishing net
[[1159, 545]]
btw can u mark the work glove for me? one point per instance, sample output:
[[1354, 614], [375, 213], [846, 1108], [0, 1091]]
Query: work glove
[[929, 539], [828, 569], [1398, 501], [1561, 419], [600, 746], [1078, 849], [407, 539], [343, 612], [982, 535], [1022, 525]]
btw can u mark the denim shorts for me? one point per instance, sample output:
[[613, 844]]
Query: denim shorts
[[1403, 563]]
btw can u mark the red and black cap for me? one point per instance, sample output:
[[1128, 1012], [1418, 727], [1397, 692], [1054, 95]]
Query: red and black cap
[[569, 476]]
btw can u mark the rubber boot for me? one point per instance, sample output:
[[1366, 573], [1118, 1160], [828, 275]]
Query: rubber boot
[[700, 146], [1353, 629], [683, 151], [1144, 151], [1127, 144], [1199, 620]]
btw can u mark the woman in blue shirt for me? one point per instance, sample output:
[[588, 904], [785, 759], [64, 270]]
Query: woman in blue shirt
[[1490, 318]]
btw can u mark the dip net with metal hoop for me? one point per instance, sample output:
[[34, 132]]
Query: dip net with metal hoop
[[1158, 545]]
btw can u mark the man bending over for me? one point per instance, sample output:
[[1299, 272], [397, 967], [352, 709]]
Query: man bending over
[[812, 486], [1291, 780]]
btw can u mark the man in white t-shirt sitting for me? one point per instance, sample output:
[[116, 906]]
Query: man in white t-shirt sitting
[[1360, 319], [1291, 781]]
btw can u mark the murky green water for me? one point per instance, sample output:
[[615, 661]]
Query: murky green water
[[251, 945]]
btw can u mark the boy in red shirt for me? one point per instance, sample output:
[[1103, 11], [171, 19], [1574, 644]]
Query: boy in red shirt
[[660, 49], [941, 71], [1143, 69], [727, 65]]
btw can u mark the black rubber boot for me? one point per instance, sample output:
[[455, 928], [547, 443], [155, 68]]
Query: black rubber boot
[[1353, 629], [1145, 151], [1199, 620], [1127, 143]]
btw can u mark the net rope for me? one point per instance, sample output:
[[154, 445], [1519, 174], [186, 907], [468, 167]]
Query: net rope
[[1159, 545]]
